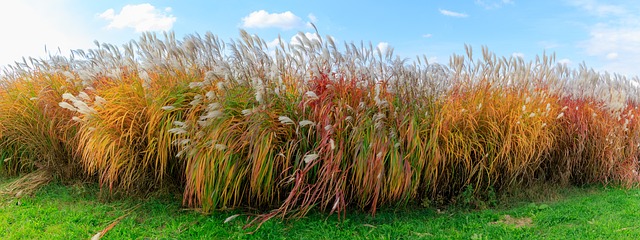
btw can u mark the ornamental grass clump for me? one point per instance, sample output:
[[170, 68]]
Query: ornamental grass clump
[[597, 133], [492, 129], [239, 138], [124, 114], [35, 134], [312, 124]]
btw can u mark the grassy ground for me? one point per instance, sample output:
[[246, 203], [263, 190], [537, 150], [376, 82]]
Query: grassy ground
[[78, 212]]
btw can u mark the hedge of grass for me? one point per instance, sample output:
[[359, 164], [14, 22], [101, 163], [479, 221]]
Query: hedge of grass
[[313, 124]]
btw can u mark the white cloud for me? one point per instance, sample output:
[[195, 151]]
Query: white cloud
[[274, 43], [263, 19], [518, 55], [606, 38], [452, 13], [612, 56], [312, 18], [492, 4], [383, 46], [618, 43], [565, 61], [428, 35], [598, 9], [141, 17], [295, 40], [615, 39]]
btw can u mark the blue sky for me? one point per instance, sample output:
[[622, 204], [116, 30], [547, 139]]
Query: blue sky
[[603, 34]]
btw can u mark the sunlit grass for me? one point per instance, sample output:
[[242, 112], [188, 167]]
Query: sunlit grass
[[77, 212], [34, 132], [314, 125]]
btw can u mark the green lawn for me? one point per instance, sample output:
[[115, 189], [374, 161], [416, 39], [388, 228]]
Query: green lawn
[[75, 212]]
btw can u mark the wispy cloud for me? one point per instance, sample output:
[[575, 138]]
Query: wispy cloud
[[493, 4], [615, 38], [263, 19], [518, 55], [452, 13], [141, 17], [312, 18], [548, 44], [428, 35], [620, 38], [612, 55], [565, 61], [599, 9]]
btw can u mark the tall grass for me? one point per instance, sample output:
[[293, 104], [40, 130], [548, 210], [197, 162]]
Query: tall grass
[[313, 124], [492, 129], [597, 136], [34, 132], [125, 115]]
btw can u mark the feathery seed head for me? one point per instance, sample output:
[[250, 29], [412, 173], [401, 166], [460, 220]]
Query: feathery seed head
[[220, 147], [168, 108], [67, 106], [304, 123], [177, 131], [286, 120], [308, 158]]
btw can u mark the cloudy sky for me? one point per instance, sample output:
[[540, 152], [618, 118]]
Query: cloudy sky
[[605, 35]]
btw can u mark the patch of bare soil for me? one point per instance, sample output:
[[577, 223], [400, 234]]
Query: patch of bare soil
[[516, 222]]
